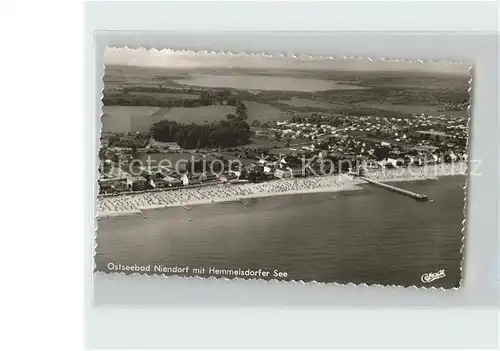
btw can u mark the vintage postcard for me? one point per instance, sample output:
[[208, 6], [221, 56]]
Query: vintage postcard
[[287, 168]]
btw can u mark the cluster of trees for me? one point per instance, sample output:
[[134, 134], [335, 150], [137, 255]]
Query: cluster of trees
[[233, 131], [132, 140], [315, 118], [241, 112], [257, 123], [158, 101]]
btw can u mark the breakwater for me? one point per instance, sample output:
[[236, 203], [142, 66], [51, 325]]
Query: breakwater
[[413, 195]]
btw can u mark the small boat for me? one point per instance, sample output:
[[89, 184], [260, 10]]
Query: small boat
[[186, 207], [190, 219]]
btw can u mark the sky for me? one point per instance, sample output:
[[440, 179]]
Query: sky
[[190, 60]]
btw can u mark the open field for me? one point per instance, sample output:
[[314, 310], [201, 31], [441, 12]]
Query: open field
[[198, 114], [383, 108], [263, 112], [156, 158], [124, 76], [171, 96], [276, 145], [123, 119], [406, 108], [264, 143], [300, 102], [232, 156]]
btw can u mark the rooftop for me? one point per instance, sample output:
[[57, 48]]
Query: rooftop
[[137, 178], [431, 132]]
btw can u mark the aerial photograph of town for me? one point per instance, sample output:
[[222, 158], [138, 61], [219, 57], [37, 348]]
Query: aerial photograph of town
[[282, 167]]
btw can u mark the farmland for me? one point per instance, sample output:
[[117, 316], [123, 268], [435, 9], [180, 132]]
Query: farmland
[[411, 108], [123, 119], [200, 114], [263, 112], [173, 96], [136, 98], [300, 102]]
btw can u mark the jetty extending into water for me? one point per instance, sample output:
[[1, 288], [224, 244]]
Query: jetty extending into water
[[416, 196]]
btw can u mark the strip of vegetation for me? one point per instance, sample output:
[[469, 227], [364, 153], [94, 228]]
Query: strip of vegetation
[[126, 97]]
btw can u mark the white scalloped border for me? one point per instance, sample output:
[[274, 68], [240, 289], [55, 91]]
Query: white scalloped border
[[291, 57]]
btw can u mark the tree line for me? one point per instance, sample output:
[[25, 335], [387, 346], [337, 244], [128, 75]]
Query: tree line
[[204, 98], [156, 101]]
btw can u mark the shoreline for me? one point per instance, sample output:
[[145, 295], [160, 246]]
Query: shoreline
[[346, 185], [231, 199], [123, 205]]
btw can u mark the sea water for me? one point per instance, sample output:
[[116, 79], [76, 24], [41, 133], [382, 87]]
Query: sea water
[[370, 236]]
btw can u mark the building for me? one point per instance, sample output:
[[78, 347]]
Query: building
[[208, 177], [236, 174], [172, 181], [136, 183], [185, 179], [114, 180], [297, 171], [172, 146], [264, 133], [158, 183], [190, 179], [157, 171], [226, 177], [283, 174], [268, 170], [112, 185]]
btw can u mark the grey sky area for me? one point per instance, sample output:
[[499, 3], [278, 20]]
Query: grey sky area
[[189, 59]]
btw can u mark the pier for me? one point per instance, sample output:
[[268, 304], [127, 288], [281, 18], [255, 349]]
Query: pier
[[416, 196]]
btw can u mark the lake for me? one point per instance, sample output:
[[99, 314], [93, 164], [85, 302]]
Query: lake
[[368, 236], [248, 82]]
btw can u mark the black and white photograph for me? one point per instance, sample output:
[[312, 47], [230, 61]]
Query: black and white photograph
[[282, 167]]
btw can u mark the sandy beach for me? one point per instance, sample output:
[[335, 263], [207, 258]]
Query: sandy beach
[[135, 203], [418, 173]]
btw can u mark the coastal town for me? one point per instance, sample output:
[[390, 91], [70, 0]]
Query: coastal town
[[179, 137], [326, 170], [307, 152]]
